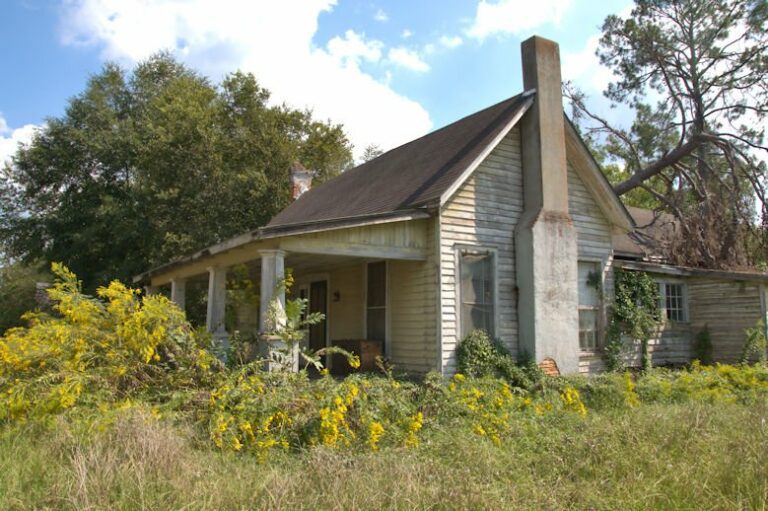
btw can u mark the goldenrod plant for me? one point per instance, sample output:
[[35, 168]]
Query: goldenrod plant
[[114, 347]]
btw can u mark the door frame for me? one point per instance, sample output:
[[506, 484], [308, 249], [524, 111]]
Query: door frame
[[304, 282], [387, 348]]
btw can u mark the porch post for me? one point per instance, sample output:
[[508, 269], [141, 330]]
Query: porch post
[[217, 295], [272, 275], [179, 292], [151, 290]]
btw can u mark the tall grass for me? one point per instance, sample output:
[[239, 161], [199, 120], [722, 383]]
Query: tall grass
[[663, 456]]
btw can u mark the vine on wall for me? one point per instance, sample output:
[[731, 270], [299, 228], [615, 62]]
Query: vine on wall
[[635, 314]]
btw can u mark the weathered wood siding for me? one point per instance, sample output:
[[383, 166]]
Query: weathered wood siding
[[345, 317], [405, 239], [727, 309], [412, 314], [593, 238], [670, 346], [412, 302], [394, 236], [483, 213]]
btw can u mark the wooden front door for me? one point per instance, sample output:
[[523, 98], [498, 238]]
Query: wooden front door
[[318, 302]]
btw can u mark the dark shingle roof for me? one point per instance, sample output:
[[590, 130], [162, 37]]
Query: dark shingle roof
[[413, 175]]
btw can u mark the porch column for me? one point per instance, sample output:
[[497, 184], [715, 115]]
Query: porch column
[[151, 290], [217, 296], [272, 275], [179, 292]]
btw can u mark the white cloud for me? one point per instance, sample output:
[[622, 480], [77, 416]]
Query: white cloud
[[353, 47], [451, 42], [408, 59], [272, 39], [10, 144], [584, 68], [406, 34], [515, 17], [381, 16]]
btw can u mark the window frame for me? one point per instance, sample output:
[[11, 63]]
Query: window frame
[[459, 251], [386, 306], [662, 288], [599, 308]]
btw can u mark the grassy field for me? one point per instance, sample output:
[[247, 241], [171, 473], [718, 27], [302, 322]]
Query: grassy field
[[660, 456], [116, 403]]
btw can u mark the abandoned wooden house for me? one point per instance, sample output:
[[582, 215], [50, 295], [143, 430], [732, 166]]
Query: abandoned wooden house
[[495, 222]]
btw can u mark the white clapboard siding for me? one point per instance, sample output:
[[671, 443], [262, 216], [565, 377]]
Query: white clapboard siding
[[727, 309], [413, 309], [483, 213], [593, 237]]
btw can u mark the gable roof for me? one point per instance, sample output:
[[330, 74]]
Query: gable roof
[[411, 176]]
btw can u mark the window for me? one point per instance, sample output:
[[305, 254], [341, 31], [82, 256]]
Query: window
[[376, 302], [589, 305], [476, 291], [673, 301]]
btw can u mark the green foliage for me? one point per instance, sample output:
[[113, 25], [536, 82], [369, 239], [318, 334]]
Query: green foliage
[[153, 162], [755, 345], [287, 326], [479, 356], [101, 351], [702, 346], [17, 292], [260, 412], [714, 384], [476, 355], [690, 72], [634, 313]]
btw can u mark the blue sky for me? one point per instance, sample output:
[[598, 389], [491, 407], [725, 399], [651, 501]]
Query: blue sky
[[389, 71]]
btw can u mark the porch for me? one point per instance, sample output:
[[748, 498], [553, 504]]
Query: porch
[[372, 283]]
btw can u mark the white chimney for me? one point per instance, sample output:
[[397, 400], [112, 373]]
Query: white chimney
[[301, 180], [545, 237]]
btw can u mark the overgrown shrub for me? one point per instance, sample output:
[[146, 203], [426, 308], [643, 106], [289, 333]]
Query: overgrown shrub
[[702, 346], [719, 383], [102, 350], [755, 345], [259, 412], [479, 356]]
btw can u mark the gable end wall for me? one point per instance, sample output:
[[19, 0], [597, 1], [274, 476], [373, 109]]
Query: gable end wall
[[484, 213]]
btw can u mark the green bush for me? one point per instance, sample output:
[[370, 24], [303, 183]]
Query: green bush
[[755, 345], [702, 346], [479, 356]]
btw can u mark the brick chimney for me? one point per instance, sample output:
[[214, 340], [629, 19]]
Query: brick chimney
[[301, 180], [545, 237]]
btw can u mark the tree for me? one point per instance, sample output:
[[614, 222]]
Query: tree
[[148, 164], [693, 71], [17, 291], [371, 152]]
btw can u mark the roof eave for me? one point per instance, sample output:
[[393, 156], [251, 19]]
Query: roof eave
[[284, 231], [685, 271], [529, 95], [609, 202]]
